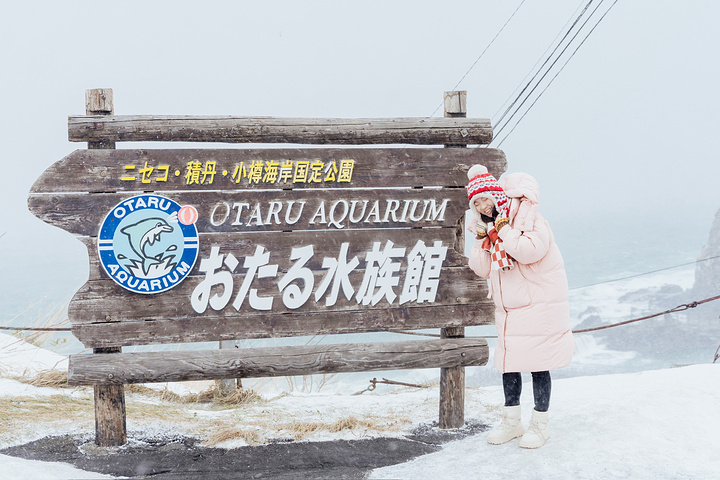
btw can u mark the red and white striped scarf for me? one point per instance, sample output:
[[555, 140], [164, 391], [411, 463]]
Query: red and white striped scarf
[[500, 260]]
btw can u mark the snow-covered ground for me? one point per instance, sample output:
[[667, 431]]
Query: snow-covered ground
[[21, 469], [648, 425]]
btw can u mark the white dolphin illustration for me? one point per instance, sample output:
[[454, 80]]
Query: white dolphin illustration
[[143, 233]]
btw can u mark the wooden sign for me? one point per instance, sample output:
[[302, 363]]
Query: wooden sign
[[194, 245], [348, 240]]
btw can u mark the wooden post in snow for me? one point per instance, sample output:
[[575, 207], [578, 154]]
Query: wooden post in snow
[[452, 379], [228, 386], [110, 426]]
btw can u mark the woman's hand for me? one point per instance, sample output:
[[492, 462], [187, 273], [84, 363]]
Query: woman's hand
[[478, 228], [501, 221]]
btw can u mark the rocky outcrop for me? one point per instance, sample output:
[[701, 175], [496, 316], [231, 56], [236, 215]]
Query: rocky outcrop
[[707, 273]]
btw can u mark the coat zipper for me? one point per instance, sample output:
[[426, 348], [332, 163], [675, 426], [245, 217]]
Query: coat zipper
[[502, 302]]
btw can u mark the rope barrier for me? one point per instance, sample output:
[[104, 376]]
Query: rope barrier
[[36, 329], [375, 381], [679, 308]]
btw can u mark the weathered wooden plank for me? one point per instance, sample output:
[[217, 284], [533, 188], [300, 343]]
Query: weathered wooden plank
[[166, 170], [268, 211], [325, 244], [105, 300], [210, 329], [231, 129], [273, 362]]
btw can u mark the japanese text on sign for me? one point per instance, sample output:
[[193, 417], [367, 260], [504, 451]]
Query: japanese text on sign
[[255, 172], [379, 281]]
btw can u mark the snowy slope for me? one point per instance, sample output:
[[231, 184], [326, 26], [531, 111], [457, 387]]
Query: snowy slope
[[18, 357]]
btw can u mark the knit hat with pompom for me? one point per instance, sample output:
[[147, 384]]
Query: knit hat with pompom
[[484, 184]]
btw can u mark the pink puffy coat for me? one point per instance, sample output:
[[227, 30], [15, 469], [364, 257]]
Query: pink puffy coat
[[531, 299]]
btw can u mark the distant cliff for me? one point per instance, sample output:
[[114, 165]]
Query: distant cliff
[[690, 336]]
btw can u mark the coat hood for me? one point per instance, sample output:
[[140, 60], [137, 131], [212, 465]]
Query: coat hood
[[519, 185], [523, 191]]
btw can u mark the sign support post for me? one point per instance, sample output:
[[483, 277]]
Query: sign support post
[[452, 379], [110, 424]]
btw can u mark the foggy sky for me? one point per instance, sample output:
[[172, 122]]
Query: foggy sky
[[625, 133]]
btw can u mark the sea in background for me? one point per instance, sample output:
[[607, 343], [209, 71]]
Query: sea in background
[[607, 273]]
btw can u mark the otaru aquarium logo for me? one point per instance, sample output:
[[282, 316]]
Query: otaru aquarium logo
[[148, 243]]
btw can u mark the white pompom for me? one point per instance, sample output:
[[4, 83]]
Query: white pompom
[[476, 170]]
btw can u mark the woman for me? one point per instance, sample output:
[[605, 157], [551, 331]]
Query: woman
[[516, 252]]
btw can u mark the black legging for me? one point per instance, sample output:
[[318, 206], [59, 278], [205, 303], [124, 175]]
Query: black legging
[[512, 384]]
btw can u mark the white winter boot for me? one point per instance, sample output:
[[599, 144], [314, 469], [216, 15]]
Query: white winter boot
[[511, 427], [537, 433]]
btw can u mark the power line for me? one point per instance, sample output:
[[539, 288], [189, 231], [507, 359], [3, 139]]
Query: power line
[[545, 53], [547, 59], [547, 71], [574, 15], [646, 273], [483, 53], [558, 73], [552, 65]]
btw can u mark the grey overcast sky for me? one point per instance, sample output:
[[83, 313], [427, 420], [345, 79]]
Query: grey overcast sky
[[628, 127]]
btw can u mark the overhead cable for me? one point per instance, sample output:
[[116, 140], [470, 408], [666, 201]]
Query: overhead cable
[[483, 53], [646, 273], [552, 79], [547, 59], [522, 97], [555, 76]]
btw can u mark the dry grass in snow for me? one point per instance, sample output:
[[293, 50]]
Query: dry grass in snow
[[242, 418]]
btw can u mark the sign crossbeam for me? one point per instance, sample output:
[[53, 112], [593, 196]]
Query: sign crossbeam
[[319, 131]]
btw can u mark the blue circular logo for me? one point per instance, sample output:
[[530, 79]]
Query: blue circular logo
[[148, 243]]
